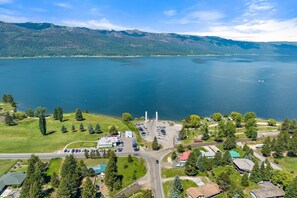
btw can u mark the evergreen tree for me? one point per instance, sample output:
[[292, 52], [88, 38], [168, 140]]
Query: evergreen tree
[[173, 155], [60, 113], [291, 190], [42, 124], [293, 146], [55, 180], [36, 190], [238, 120], [199, 164], [180, 148], [217, 160], [98, 129], [8, 119], [266, 149], [224, 180], [97, 154], [89, 190], [191, 168], [86, 153], [130, 158], [205, 132], [207, 163], [230, 129], [82, 169], [230, 143], [63, 129], [227, 159], [111, 173], [236, 192], [245, 180], [29, 113], [78, 115], [267, 173], [256, 175], [176, 190], [73, 128], [81, 127], [90, 129], [155, 144], [55, 114]]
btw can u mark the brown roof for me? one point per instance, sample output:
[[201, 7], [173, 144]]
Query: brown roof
[[268, 190], [208, 190]]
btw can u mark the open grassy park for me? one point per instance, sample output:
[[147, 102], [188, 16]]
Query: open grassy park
[[5, 166], [25, 137]]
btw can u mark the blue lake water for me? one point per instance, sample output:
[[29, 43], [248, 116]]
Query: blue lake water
[[173, 86]]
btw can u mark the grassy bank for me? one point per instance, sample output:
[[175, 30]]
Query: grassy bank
[[5, 166], [25, 136]]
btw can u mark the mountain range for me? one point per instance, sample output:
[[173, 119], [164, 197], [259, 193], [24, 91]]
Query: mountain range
[[46, 39]]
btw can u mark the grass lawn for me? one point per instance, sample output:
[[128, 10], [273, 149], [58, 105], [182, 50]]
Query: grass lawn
[[289, 163], [138, 194], [95, 162], [5, 166], [25, 137], [54, 166], [237, 149], [137, 166], [192, 135], [172, 172], [82, 145], [185, 183], [6, 106]]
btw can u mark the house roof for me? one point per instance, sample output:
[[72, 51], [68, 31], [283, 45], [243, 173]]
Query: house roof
[[244, 164], [185, 155], [268, 190], [208, 153], [208, 190], [11, 178], [234, 154]]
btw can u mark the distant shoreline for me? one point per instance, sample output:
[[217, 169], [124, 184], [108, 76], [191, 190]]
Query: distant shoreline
[[132, 56]]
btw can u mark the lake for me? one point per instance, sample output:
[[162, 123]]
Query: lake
[[173, 86]]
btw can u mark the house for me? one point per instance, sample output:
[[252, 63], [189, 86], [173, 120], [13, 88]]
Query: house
[[128, 134], [267, 190], [107, 142], [184, 157], [99, 169], [234, 154], [206, 191], [208, 154], [11, 179], [243, 165]]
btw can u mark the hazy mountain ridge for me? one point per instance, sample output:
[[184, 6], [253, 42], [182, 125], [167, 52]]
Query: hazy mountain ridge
[[46, 39]]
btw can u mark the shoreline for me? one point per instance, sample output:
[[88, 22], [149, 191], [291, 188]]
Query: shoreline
[[132, 56]]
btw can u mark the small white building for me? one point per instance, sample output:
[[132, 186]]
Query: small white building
[[208, 154], [107, 142], [128, 134]]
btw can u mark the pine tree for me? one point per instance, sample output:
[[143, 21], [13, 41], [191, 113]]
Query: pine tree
[[111, 173], [36, 190], [42, 124], [60, 113], [256, 175], [230, 143], [173, 155], [130, 158], [90, 129], [191, 168], [155, 144], [176, 190], [78, 115], [63, 129], [227, 159], [89, 190], [245, 180], [81, 127], [205, 132], [55, 114], [98, 129], [180, 148], [224, 181], [267, 173], [97, 154], [230, 129], [55, 180], [86, 153], [113, 130], [73, 128], [217, 160]]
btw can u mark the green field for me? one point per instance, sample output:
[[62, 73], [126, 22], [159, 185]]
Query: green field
[[5, 166], [289, 164], [95, 162], [25, 137], [54, 166], [172, 172], [82, 145], [185, 183]]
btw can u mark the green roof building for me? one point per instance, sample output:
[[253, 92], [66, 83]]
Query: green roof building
[[234, 154], [10, 179]]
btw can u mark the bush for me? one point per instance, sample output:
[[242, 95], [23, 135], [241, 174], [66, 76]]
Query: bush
[[271, 122]]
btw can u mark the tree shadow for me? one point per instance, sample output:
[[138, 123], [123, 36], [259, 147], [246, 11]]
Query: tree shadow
[[65, 120], [50, 132], [48, 191]]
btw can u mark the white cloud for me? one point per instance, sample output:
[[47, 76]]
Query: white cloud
[[6, 1], [94, 24], [256, 30], [169, 13], [63, 5], [259, 7], [10, 18]]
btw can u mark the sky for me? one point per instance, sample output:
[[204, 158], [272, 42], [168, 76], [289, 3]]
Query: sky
[[250, 20]]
